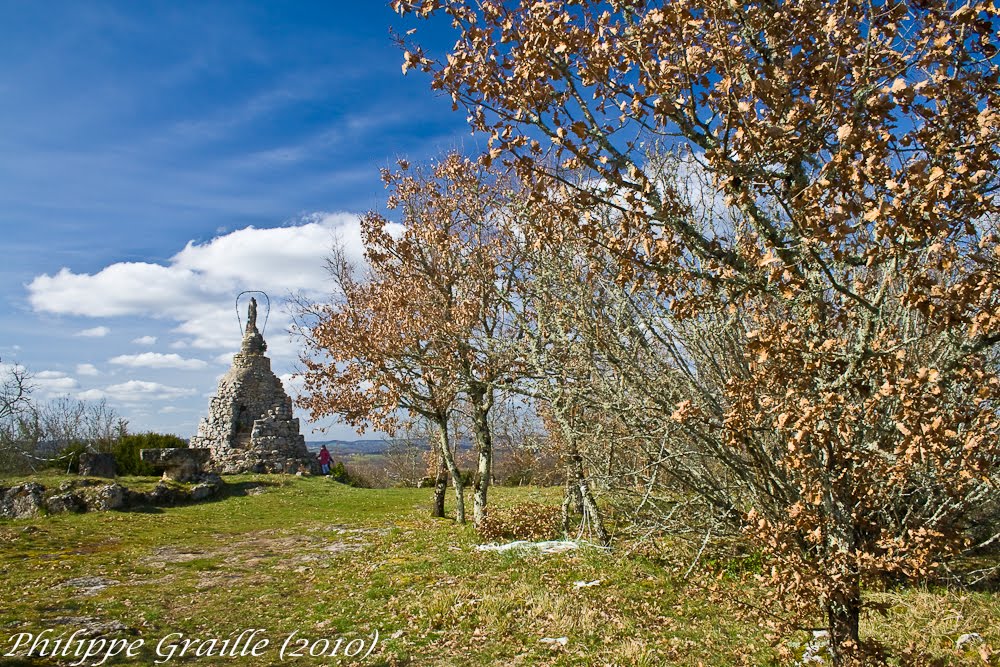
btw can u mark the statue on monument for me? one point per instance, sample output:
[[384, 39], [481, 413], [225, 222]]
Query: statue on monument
[[251, 426], [252, 315]]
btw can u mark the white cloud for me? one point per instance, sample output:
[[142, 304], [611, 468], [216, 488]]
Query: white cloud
[[53, 383], [94, 332], [87, 369], [137, 391], [197, 286], [8, 369], [145, 340], [294, 384], [91, 395], [157, 360], [226, 358]]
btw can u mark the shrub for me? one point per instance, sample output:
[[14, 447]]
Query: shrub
[[527, 521], [126, 450], [345, 474]]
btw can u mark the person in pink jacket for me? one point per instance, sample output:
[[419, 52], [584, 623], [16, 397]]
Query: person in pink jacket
[[324, 460]]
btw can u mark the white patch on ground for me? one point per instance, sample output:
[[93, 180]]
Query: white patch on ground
[[89, 585], [547, 547]]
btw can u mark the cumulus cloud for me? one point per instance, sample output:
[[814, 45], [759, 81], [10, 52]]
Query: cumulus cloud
[[87, 369], [196, 287], [226, 358], [145, 340], [53, 383], [7, 370], [94, 332], [91, 395], [136, 391], [157, 360]]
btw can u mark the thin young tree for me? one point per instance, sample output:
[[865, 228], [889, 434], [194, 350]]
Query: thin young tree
[[370, 353], [424, 327], [457, 249], [18, 436]]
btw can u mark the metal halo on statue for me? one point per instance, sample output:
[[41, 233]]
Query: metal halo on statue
[[267, 313]]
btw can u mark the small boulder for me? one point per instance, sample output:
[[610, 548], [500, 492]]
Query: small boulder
[[65, 502], [106, 497], [208, 487], [98, 465], [164, 494], [202, 491], [21, 501], [968, 640]]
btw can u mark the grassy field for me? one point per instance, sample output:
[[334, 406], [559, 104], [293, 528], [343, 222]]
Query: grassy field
[[320, 562]]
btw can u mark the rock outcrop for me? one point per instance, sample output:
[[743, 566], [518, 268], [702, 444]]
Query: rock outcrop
[[181, 464], [30, 499], [250, 427], [65, 502], [21, 501]]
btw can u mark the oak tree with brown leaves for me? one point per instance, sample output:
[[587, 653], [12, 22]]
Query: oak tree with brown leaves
[[853, 147], [426, 327], [369, 358]]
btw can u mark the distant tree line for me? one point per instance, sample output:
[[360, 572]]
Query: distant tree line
[[52, 435]]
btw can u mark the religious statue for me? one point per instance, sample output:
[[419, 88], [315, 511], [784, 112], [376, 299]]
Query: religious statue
[[252, 315]]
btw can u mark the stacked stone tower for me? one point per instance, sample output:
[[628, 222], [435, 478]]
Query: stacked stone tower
[[250, 427]]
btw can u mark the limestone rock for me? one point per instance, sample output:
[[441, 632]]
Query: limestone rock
[[89, 626], [21, 501], [98, 465], [180, 464], [209, 487], [89, 585], [26, 500], [65, 502], [105, 497], [164, 494], [250, 427]]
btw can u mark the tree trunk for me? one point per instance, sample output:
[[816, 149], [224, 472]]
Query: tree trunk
[[843, 615], [843, 610], [440, 488], [456, 475], [579, 479], [571, 500], [481, 483]]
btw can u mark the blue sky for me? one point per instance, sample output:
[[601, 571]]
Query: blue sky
[[157, 158]]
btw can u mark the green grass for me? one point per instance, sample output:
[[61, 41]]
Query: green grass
[[329, 562]]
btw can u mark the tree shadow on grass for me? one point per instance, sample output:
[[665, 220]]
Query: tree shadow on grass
[[238, 489], [141, 509]]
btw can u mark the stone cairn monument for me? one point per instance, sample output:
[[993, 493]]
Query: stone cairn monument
[[249, 427]]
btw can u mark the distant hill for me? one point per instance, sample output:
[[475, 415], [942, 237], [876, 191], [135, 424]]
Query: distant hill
[[347, 447], [376, 447]]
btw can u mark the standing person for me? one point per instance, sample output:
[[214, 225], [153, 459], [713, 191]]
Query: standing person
[[324, 460]]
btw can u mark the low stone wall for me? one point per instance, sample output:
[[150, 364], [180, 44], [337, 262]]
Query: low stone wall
[[30, 499]]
